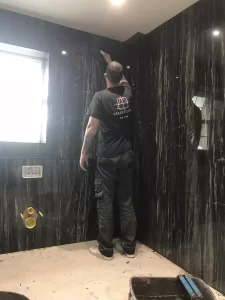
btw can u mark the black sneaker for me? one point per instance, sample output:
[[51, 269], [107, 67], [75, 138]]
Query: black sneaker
[[119, 249]]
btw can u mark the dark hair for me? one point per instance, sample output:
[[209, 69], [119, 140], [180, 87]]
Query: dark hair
[[114, 72]]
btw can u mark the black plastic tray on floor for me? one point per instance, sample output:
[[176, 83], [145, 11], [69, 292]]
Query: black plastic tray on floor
[[11, 296], [164, 289]]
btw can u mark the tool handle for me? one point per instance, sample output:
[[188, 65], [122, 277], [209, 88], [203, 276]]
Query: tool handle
[[194, 286], [187, 286]]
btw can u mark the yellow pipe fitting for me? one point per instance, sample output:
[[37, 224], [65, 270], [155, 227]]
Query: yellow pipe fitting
[[30, 210], [30, 216], [30, 223], [41, 214]]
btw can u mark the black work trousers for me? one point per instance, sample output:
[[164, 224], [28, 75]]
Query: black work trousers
[[114, 181]]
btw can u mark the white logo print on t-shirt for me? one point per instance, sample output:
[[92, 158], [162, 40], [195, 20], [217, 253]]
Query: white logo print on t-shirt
[[122, 104]]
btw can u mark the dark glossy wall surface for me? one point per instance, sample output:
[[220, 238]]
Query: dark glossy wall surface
[[182, 198], [64, 195], [181, 189]]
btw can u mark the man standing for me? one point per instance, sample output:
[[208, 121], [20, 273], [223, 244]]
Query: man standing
[[110, 116]]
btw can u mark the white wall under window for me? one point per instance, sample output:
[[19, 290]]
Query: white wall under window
[[23, 95]]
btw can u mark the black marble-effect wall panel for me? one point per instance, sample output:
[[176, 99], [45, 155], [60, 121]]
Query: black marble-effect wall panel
[[180, 78], [61, 195], [65, 194]]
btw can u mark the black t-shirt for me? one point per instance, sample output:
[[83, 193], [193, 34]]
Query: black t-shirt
[[112, 107]]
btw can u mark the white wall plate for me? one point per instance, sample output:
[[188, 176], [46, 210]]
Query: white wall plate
[[32, 171]]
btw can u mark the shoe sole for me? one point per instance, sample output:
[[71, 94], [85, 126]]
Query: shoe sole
[[101, 256], [129, 256]]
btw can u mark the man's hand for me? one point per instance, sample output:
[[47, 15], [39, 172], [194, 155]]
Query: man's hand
[[107, 57], [84, 161]]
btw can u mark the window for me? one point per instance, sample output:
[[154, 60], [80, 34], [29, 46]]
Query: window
[[23, 94]]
